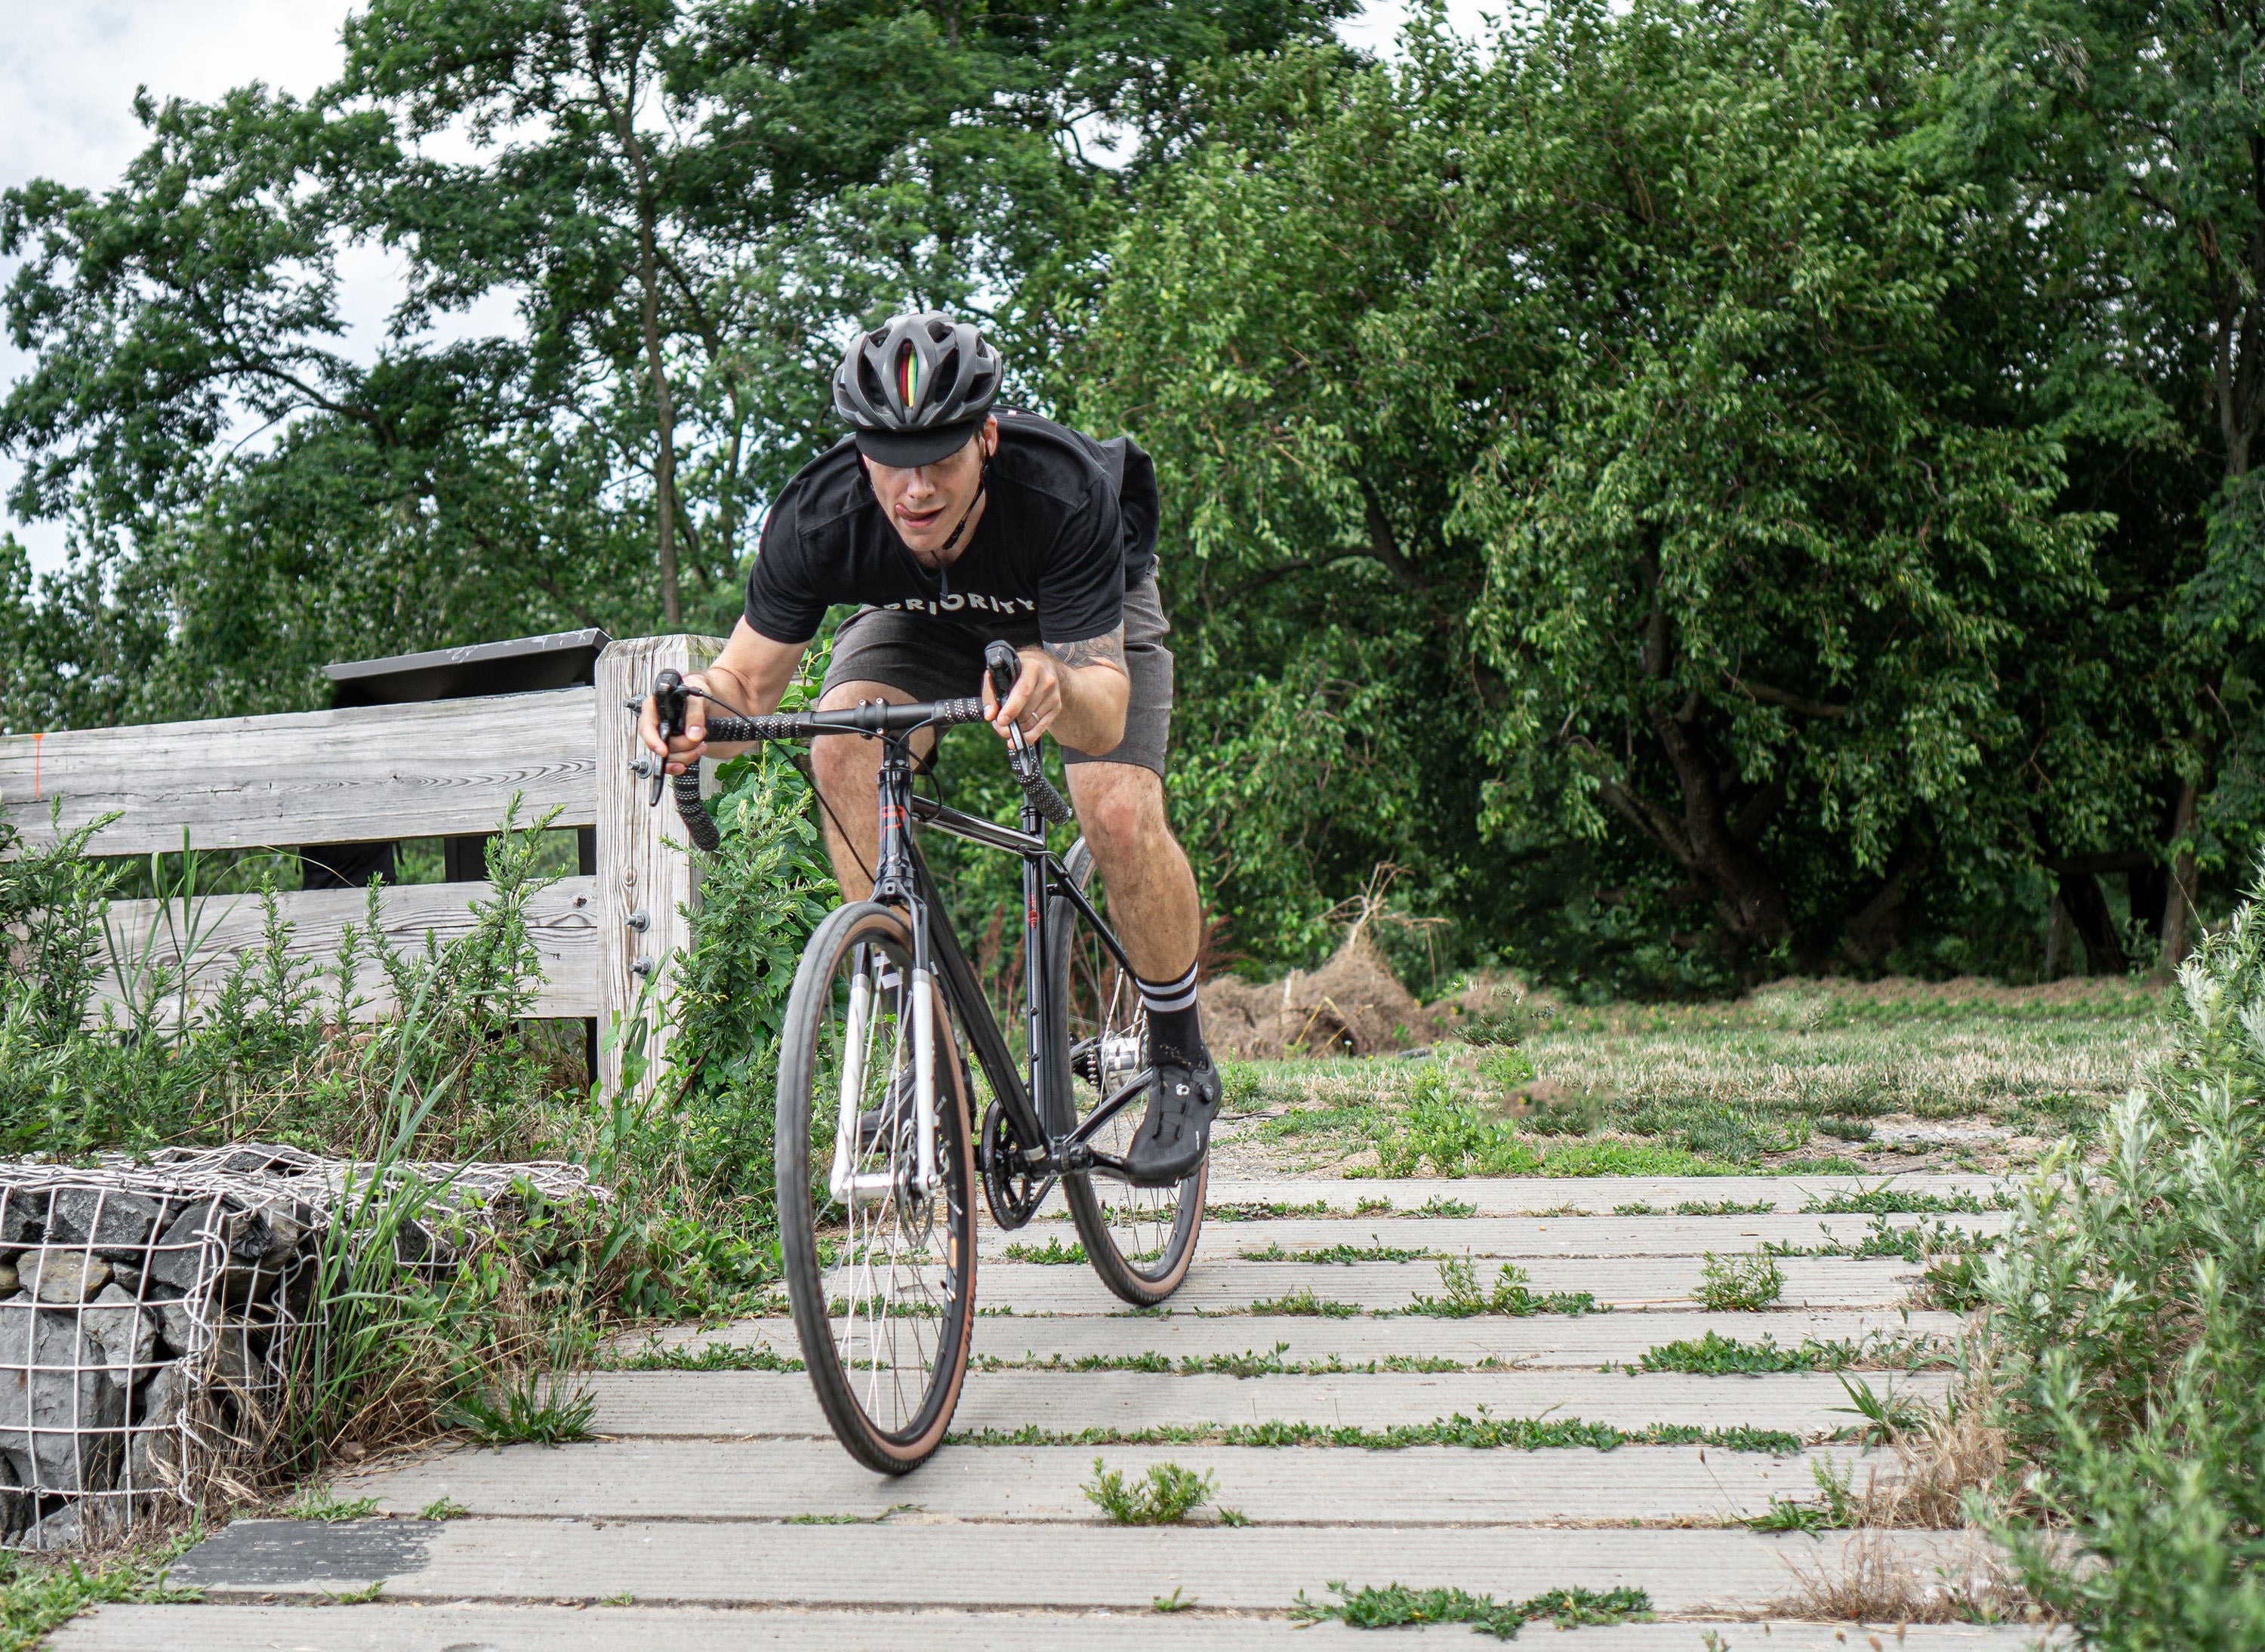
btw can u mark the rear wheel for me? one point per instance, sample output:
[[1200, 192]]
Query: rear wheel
[[880, 1269], [1139, 1239]]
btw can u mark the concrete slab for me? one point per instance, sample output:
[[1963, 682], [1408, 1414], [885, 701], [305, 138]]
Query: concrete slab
[[1518, 1237], [784, 1480], [1586, 1339], [1514, 1196], [1218, 1284], [1261, 1568], [738, 1404], [458, 1628]]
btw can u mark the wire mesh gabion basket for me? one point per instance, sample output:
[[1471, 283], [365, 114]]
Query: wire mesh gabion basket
[[152, 1312]]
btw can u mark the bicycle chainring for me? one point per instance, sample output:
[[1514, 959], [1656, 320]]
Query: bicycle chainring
[[1013, 1193]]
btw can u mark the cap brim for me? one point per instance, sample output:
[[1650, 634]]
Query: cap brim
[[907, 448]]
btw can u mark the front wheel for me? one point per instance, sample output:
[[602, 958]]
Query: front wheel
[[880, 1265], [1139, 1239]]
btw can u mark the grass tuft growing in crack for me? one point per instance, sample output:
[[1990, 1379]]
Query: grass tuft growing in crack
[[1480, 1433], [1699, 1207], [1054, 1253], [1512, 1294], [330, 1509], [1887, 1201], [707, 1357], [1716, 1355], [1395, 1605], [1738, 1284], [1305, 1303], [1346, 1255], [1165, 1496]]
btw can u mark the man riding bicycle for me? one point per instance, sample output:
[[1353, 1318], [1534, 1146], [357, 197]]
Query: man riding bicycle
[[950, 524]]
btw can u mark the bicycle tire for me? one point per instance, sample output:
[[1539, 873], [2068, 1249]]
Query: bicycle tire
[[1140, 1241], [916, 1311]]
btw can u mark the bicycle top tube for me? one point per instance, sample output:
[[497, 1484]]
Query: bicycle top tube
[[875, 717]]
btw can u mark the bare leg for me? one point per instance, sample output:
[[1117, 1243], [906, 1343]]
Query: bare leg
[[1151, 892], [848, 770]]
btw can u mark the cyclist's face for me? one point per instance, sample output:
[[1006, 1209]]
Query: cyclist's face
[[925, 503]]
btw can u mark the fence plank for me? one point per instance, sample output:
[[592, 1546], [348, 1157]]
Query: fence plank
[[429, 769], [643, 865], [561, 919]]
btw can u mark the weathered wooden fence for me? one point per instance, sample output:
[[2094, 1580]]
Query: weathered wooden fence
[[432, 768]]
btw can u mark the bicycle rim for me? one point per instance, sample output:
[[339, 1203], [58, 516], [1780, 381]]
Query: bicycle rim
[[1139, 1239], [881, 1274]]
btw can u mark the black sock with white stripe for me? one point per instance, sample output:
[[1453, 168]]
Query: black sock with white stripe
[[1174, 1034]]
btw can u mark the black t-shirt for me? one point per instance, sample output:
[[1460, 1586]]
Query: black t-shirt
[[1069, 526]]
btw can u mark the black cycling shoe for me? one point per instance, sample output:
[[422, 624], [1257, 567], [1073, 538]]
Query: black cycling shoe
[[1177, 1130]]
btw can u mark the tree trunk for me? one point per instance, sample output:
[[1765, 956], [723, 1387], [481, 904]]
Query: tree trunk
[[619, 111], [2094, 924], [664, 468], [1881, 925], [2179, 900], [2060, 936], [1750, 904]]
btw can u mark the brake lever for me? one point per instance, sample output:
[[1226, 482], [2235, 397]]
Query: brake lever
[[1005, 665], [669, 710]]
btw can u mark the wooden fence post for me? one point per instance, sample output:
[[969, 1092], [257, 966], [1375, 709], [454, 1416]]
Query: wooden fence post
[[646, 880]]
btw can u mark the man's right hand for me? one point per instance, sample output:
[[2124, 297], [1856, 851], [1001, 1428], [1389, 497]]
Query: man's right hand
[[685, 749]]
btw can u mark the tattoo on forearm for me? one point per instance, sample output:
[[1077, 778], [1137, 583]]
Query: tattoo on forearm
[[1093, 651]]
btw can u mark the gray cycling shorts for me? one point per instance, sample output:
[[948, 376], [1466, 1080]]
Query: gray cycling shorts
[[934, 657]]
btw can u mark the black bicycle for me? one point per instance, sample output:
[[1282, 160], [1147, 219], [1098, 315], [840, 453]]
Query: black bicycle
[[877, 1154]]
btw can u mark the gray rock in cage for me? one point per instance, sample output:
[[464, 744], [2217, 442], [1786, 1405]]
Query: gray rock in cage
[[153, 1312]]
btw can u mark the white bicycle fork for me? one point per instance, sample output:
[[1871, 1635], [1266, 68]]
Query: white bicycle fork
[[872, 1186]]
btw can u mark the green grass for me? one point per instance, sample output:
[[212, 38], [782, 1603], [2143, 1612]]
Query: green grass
[[1789, 1079], [1307, 1304], [537, 1408], [1054, 1253], [1395, 1605], [1248, 1364], [1346, 1254], [1727, 1356], [1480, 1433], [1890, 1201], [1916, 1242], [706, 1356], [1165, 1496], [330, 1509], [1738, 1284], [443, 1509], [1699, 1207], [39, 1593], [1509, 1294]]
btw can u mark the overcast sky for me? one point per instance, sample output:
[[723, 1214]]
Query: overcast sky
[[68, 79]]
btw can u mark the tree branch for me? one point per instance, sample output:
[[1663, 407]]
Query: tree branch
[[1799, 702]]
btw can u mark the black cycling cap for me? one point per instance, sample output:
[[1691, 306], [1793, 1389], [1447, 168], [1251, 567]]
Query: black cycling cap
[[916, 389]]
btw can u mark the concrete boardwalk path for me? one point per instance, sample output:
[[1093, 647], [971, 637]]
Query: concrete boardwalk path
[[715, 1511]]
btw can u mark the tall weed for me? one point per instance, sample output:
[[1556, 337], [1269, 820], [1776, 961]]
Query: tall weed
[[2128, 1315]]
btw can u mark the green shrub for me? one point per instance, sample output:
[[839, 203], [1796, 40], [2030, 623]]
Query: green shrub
[[2128, 1315]]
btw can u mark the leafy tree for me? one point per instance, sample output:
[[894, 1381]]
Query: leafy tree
[[688, 203], [1611, 414], [2127, 138]]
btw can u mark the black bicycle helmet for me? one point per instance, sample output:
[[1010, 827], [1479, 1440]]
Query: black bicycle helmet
[[916, 387]]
